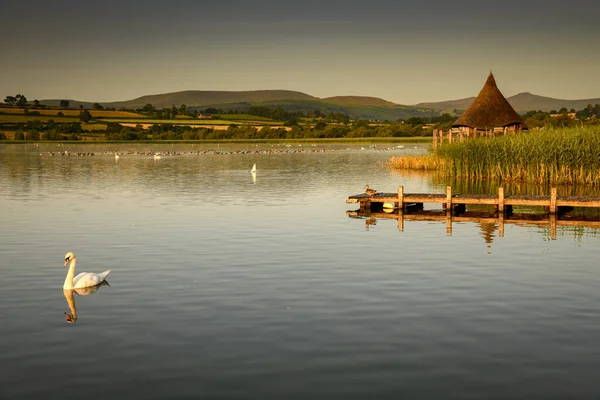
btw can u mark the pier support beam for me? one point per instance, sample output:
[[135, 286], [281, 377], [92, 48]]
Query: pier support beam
[[400, 203], [553, 201], [501, 200], [449, 198]]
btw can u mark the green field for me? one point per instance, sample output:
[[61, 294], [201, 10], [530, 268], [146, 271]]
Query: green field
[[72, 113], [244, 117], [43, 118], [173, 121]]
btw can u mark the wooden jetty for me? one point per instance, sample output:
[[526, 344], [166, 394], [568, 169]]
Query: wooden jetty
[[409, 207], [553, 204]]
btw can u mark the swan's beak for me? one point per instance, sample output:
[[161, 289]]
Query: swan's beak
[[66, 262]]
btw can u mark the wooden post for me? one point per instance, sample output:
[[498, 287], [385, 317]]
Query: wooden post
[[400, 203], [400, 220], [501, 200], [553, 201], [450, 136], [553, 218], [435, 138], [449, 198], [449, 224]]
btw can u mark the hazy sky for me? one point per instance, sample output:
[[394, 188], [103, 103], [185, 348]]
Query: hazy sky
[[402, 51]]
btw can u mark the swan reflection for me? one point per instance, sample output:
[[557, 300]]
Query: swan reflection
[[71, 318]]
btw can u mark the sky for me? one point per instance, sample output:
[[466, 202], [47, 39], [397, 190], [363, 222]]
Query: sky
[[402, 51]]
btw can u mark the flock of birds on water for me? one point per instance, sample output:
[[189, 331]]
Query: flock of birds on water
[[159, 154]]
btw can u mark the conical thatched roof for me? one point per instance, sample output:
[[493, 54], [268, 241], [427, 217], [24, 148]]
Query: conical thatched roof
[[489, 110]]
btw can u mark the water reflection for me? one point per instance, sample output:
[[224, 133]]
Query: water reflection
[[71, 317], [490, 223]]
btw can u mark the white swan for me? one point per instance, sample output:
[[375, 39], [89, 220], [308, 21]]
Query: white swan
[[253, 170], [84, 279]]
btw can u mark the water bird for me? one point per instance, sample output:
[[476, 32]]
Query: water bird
[[84, 279], [253, 170], [370, 192], [116, 156], [157, 156]]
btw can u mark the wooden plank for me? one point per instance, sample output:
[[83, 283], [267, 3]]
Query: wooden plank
[[577, 203], [553, 201], [466, 200]]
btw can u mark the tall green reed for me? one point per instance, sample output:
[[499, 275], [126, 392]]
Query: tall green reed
[[551, 156]]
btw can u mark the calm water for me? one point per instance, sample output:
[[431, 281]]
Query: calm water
[[222, 287]]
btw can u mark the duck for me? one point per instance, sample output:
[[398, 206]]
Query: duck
[[84, 279], [370, 192]]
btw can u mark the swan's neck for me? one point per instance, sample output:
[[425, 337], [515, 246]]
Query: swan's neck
[[71, 302], [70, 275]]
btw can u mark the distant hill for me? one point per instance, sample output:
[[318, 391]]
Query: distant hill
[[359, 101], [195, 98], [521, 102], [460, 104], [353, 110]]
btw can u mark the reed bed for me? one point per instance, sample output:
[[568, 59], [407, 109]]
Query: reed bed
[[564, 156], [553, 156], [420, 163]]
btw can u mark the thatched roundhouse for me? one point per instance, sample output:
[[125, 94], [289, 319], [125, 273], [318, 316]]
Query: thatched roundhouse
[[489, 113]]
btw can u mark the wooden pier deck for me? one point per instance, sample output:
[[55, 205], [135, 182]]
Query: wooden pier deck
[[501, 202], [409, 207]]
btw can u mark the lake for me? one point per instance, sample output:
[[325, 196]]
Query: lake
[[229, 286]]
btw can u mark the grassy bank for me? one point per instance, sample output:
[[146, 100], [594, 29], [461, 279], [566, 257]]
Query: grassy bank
[[553, 156]]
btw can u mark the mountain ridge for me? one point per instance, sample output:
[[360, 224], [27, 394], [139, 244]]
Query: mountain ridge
[[355, 106], [521, 102]]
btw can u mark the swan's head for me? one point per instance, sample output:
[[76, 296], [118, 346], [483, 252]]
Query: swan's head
[[70, 318], [68, 257], [367, 187]]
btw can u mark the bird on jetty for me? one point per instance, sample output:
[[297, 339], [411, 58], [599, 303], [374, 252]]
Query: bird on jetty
[[370, 192]]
